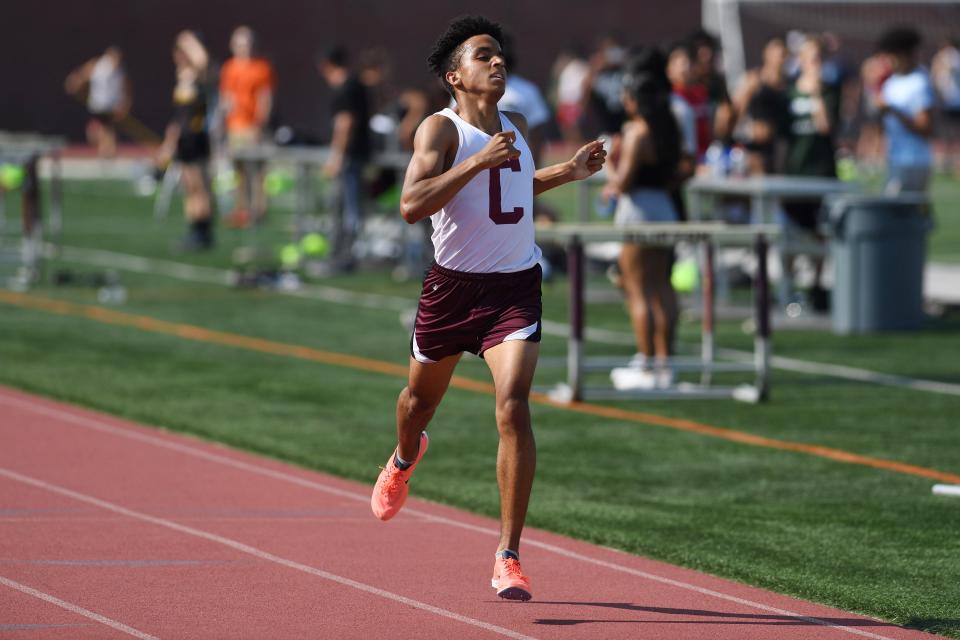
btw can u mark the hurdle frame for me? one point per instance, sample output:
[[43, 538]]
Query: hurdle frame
[[707, 235], [28, 150], [306, 160]]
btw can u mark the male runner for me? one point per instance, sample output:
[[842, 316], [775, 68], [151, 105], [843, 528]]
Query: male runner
[[472, 173]]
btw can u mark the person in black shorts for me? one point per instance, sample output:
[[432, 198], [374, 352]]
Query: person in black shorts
[[811, 151], [187, 141]]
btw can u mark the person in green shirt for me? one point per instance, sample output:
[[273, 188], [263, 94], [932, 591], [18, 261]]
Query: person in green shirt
[[814, 106], [813, 109]]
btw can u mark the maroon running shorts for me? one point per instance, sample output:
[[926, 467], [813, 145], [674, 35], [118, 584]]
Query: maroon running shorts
[[461, 311]]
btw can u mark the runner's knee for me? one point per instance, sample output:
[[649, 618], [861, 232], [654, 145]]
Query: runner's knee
[[416, 404], [513, 416]]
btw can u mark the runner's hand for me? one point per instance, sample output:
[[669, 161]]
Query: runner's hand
[[588, 160], [500, 149]]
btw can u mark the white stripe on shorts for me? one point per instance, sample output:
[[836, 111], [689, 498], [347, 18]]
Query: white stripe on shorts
[[523, 334], [418, 354]]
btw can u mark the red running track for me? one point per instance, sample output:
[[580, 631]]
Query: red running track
[[111, 530]]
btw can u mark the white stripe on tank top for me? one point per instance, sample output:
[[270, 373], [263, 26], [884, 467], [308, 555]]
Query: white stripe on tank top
[[474, 232]]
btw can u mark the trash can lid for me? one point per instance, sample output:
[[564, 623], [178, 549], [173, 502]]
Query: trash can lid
[[910, 205], [846, 200]]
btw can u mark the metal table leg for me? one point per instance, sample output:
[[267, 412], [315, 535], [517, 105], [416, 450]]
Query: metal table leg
[[761, 340], [575, 344], [707, 346]]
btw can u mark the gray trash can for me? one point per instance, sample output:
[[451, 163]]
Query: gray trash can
[[879, 247]]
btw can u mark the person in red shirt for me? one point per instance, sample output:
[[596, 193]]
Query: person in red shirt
[[680, 73], [247, 84]]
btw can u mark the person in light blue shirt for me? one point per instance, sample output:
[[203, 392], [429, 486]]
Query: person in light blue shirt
[[905, 103]]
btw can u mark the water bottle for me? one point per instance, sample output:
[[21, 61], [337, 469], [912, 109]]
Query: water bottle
[[738, 162], [718, 160]]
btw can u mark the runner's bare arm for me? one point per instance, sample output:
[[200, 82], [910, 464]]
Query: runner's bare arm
[[430, 182], [585, 162]]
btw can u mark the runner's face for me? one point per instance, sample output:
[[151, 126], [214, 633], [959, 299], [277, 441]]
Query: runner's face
[[481, 69]]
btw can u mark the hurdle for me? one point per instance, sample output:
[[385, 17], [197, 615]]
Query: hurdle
[[26, 150], [707, 236]]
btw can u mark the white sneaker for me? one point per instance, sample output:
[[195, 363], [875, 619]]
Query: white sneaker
[[664, 377], [628, 378], [639, 361]]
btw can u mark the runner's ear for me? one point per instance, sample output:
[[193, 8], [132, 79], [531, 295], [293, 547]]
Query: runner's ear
[[453, 78]]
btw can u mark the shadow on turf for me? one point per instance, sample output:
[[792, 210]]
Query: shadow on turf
[[935, 625], [729, 618]]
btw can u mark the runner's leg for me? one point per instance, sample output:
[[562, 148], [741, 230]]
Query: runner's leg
[[513, 363], [418, 401]]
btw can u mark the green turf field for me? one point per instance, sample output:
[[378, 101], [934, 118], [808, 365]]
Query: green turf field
[[863, 539]]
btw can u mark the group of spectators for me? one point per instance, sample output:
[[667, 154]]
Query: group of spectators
[[669, 115], [804, 105], [232, 105], [786, 116]]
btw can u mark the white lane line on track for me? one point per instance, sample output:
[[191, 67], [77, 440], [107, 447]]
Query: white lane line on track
[[259, 554], [69, 606], [197, 452], [211, 275]]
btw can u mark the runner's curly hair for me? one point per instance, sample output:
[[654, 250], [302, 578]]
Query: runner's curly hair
[[446, 52]]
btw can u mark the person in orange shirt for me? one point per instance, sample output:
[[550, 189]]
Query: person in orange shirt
[[246, 96]]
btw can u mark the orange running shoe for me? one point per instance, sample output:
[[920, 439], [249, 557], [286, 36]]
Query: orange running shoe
[[509, 581], [391, 489]]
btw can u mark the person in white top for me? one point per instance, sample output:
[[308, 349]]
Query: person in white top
[[472, 173], [945, 72], [906, 104], [108, 97]]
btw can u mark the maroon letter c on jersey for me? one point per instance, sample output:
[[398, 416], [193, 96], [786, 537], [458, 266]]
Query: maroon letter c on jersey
[[498, 216]]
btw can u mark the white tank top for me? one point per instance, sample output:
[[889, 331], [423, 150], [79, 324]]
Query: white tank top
[[488, 226], [106, 86]]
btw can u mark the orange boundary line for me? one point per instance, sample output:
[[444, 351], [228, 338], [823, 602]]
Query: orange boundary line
[[199, 334]]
